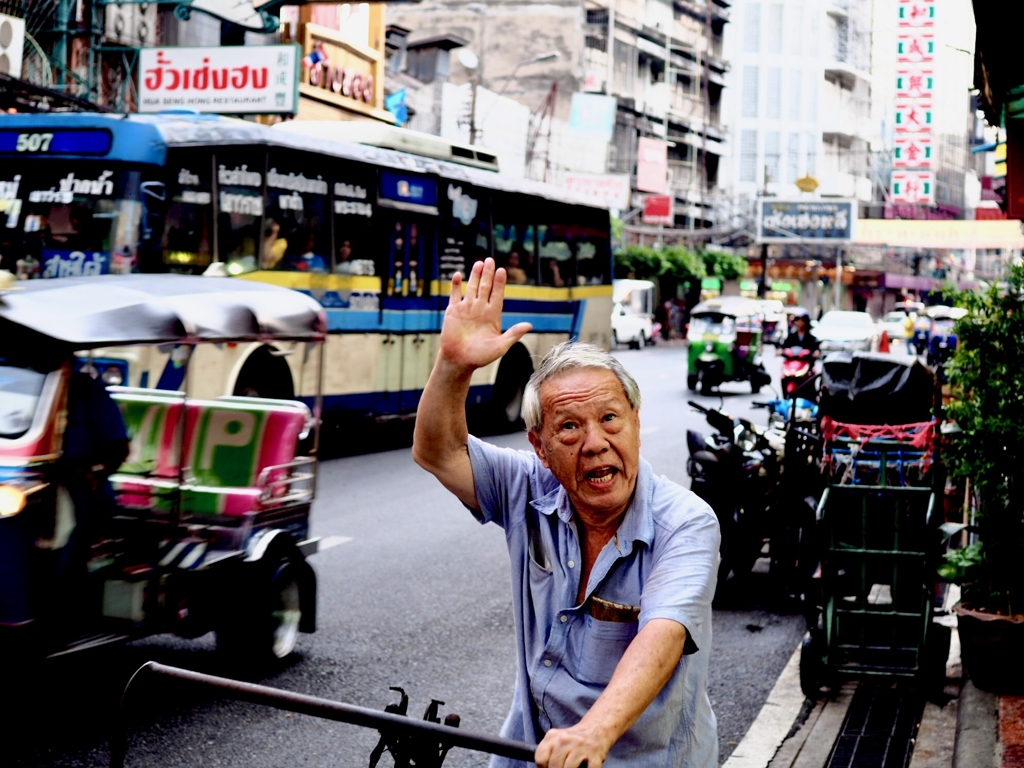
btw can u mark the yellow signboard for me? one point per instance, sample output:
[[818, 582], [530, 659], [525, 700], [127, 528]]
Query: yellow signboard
[[897, 233]]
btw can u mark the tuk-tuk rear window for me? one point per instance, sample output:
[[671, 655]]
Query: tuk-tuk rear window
[[712, 323], [20, 389]]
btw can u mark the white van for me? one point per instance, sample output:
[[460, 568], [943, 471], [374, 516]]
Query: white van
[[632, 312]]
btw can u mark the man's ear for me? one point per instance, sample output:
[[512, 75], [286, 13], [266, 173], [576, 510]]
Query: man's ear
[[538, 446]]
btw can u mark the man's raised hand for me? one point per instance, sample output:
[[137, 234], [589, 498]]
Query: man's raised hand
[[471, 336]]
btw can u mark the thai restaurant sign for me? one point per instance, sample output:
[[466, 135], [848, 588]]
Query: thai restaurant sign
[[260, 79], [342, 72]]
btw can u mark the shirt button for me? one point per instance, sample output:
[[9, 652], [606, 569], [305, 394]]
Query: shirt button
[[563, 618], [572, 564], [547, 662]]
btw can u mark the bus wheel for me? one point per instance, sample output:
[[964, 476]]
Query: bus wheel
[[264, 628], [509, 389], [265, 375]]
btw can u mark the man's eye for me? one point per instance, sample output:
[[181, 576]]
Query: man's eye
[[569, 425], [609, 416]]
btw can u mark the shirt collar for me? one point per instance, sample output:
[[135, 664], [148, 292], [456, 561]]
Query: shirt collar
[[638, 523]]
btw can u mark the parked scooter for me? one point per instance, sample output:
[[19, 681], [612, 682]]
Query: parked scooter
[[736, 471], [797, 367]]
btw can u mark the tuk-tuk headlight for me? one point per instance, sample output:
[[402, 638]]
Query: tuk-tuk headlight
[[112, 376], [12, 500], [709, 347]]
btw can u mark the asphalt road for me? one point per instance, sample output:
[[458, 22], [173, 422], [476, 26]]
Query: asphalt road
[[416, 594]]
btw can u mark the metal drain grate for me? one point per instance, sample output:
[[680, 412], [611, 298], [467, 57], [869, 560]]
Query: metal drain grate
[[879, 728]]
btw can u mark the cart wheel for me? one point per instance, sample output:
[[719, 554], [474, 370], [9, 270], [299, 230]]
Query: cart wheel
[[811, 666], [264, 629]]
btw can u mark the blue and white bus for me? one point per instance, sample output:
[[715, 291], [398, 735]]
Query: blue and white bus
[[374, 234]]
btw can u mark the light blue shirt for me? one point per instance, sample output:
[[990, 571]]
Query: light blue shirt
[[663, 559]]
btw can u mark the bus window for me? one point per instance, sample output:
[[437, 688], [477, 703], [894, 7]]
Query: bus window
[[296, 230], [557, 265], [241, 242], [593, 255], [79, 218], [186, 244], [353, 213], [514, 247], [466, 228]]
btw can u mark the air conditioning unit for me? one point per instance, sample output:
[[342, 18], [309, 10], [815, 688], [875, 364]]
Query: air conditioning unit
[[12, 45]]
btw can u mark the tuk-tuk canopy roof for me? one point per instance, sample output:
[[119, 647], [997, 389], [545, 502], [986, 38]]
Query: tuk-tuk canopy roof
[[116, 310], [734, 306], [622, 288]]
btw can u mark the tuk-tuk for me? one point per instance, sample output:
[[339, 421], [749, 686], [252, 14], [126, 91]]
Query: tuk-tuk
[[725, 344], [208, 525]]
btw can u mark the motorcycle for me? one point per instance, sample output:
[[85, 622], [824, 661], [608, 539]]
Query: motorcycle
[[735, 471], [797, 368]]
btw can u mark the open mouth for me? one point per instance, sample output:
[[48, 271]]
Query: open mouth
[[601, 475]]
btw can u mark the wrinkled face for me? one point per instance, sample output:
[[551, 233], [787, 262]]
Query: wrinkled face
[[590, 440]]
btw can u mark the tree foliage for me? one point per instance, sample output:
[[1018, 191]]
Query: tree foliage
[[728, 266], [987, 378]]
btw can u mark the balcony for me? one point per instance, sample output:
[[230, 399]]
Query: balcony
[[843, 114]]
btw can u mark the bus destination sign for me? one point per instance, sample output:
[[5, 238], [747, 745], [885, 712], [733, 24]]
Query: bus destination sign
[[52, 142]]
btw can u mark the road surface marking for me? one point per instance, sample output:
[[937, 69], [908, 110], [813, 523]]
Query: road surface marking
[[327, 542], [769, 730]]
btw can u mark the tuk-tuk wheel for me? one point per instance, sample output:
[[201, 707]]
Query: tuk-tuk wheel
[[265, 629], [691, 383], [811, 666]]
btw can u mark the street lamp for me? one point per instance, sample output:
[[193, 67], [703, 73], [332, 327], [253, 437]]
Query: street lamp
[[549, 56]]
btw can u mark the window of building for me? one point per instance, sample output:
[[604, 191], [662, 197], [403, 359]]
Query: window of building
[[748, 155], [796, 29], [773, 94], [625, 67], [795, 83], [421, 63], [793, 157], [773, 43], [752, 29], [812, 96], [812, 37], [772, 155], [812, 154], [750, 90]]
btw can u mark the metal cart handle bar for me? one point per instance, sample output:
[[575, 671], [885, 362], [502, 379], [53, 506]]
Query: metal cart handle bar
[[311, 705]]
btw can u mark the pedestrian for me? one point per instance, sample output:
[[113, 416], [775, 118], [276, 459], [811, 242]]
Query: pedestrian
[[613, 567]]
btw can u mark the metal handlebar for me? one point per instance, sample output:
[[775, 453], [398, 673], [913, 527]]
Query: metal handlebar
[[427, 732]]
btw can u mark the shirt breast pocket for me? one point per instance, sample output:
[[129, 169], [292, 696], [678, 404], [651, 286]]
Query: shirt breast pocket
[[603, 644]]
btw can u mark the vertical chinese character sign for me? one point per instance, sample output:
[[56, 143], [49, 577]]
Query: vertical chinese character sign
[[914, 180]]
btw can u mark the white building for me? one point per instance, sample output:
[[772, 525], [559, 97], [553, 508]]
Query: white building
[[798, 99]]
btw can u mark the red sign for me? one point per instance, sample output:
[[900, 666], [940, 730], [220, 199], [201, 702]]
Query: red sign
[[652, 166], [912, 150], [658, 209]]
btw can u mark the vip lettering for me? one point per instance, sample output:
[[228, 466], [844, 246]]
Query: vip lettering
[[101, 186], [165, 76], [349, 190], [10, 188], [292, 202], [296, 183], [74, 264], [249, 205], [241, 177], [345, 82], [187, 179], [352, 208], [463, 206]]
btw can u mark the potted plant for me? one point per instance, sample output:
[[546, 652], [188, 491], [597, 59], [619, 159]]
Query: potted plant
[[986, 377]]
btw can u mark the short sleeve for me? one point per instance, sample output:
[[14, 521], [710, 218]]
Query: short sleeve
[[681, 585], [501, 477]]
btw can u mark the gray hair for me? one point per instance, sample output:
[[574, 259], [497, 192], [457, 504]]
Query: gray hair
[[572, 356]]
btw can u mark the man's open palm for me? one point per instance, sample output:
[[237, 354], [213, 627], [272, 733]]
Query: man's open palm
[[471, 336]]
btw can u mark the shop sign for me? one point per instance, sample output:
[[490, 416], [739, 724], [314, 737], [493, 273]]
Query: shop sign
[[912, 150], [915, 47], [913, 187], [338, 70], [914, 83], [796, 221], [259, 79], [916, 13], [914, 117], [609, 190], [658, 209], [74, 263], [652, 165], [407, 188]]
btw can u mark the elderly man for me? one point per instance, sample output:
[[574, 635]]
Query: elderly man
[[613, 568]]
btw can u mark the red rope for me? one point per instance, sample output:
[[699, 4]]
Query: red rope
[[920, 435]]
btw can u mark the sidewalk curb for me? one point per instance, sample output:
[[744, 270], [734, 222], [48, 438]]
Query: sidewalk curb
[[977, 724]]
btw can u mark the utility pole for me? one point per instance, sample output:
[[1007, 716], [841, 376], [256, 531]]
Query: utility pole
[[762, 285], [839, 276], [474, 83]]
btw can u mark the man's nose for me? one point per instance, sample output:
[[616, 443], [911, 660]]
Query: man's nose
[[595, 441]]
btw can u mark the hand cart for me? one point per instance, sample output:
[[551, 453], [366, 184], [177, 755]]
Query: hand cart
[[878, 526]]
